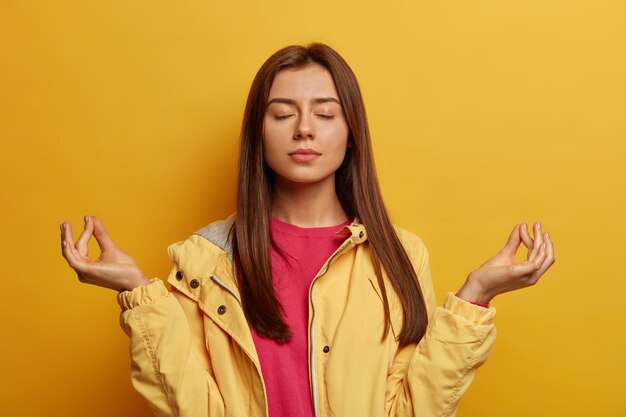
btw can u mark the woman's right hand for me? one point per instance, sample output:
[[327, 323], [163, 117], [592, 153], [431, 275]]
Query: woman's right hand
[[113, 269]]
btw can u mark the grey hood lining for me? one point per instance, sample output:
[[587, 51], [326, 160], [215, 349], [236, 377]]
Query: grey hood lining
[[218, 233]]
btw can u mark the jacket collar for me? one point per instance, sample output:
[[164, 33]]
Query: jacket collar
[[219, 232], [357, 231]]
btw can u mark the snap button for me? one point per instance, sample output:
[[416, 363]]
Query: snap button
[[221, 310], [179, 275], [326, 349], [194, 283]]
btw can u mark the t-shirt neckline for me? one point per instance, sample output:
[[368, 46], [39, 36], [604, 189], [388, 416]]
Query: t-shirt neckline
[[284, 227]]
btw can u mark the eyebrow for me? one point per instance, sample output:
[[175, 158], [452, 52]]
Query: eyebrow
[[293, 102]]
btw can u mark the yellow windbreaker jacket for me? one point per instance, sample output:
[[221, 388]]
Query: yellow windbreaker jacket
[[192, 353]]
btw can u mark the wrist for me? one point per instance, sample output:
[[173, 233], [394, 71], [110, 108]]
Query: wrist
[[139, 281], [472, 291]]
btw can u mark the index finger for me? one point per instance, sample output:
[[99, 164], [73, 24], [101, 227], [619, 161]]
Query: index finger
[[537, 242], [528, 241], [83, 239]]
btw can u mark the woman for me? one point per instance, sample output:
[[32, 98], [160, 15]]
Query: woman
[[307, 301]]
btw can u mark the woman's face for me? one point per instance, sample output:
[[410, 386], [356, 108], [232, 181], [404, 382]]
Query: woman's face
[[305, 133]]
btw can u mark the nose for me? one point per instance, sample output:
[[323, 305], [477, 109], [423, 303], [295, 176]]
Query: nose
[[304, 128]]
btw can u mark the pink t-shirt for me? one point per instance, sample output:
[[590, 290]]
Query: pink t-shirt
[[285, 367]]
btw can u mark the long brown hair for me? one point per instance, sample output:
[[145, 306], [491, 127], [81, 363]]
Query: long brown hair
[[357, 189]]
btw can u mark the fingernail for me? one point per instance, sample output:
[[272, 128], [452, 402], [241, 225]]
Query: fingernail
[[63, 243], [547, 235], [539, 225], [86, 218]]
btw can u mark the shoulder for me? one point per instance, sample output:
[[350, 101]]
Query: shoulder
[[204, 254], [214, 237], [219, 233]]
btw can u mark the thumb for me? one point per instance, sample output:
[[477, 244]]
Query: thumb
[[101, 235]]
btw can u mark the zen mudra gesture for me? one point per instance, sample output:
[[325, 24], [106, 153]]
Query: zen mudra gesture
[[307, 301]]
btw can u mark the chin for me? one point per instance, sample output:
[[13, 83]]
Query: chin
[[303, 180]]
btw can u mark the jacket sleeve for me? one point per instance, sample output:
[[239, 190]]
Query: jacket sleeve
[[165, 369], [428, 380]]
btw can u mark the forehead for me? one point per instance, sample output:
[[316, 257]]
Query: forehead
[[303, 83]]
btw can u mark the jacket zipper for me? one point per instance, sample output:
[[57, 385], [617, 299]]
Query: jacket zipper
[[340, 250], [226, 287], [311, 327]]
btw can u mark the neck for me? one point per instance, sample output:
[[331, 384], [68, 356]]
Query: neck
[[308, 205]]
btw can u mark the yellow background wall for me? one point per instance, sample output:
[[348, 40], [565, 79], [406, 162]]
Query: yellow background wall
[[484, 114]]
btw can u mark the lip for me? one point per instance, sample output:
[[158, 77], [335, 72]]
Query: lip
[[304, 151], [304, 155]]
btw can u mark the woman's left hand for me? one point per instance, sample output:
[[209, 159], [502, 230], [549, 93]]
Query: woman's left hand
[[501, 274]]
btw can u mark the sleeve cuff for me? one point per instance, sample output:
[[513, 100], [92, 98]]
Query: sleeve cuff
[[471, 312], [143, 295]]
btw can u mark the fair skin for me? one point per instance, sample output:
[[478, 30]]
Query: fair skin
[[305, 137]]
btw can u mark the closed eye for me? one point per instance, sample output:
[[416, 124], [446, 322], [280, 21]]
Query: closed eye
[[326, 116], [282, 117]]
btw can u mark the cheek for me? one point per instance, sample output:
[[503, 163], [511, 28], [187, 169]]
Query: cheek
[[341, 154], [340, 136], [274, 132]]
